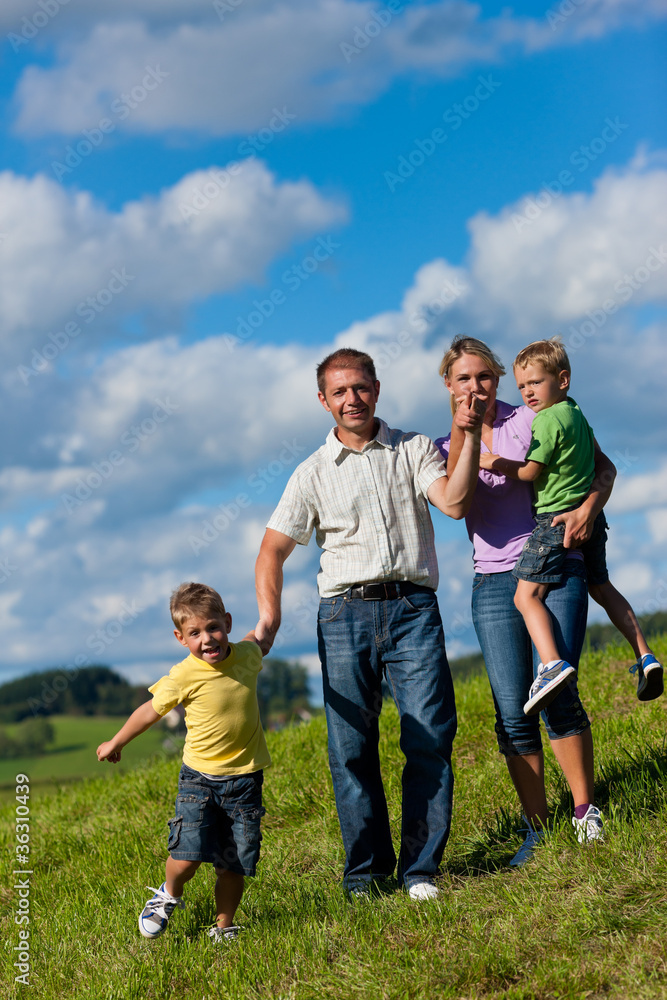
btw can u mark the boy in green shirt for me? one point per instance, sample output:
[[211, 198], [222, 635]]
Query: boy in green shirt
[[219, 803], [559, 462]]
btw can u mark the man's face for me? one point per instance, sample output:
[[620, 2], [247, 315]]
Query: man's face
[[206, 638], [350, 396]]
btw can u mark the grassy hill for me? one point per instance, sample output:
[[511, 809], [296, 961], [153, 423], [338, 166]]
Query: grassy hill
[[72, 755], [576, 923]]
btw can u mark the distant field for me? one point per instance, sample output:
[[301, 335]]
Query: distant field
[[73, 754]]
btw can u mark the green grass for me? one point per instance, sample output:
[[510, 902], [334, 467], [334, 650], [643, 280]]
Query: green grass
[[576, 923], [72, 755]]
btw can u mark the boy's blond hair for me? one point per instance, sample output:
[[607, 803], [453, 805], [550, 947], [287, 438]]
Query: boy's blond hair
[[193, 600], [549, 354]]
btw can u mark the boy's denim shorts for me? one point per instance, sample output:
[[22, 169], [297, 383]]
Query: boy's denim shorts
[[543, 556], [218, 821]]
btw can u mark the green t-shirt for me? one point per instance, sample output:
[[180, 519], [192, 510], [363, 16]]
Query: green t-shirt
[[563, 442]]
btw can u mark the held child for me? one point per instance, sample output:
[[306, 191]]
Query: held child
[[219, 802], [559, 462]]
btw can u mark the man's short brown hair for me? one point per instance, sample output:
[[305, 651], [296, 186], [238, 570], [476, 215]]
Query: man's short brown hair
[[193, 600], [345, 357], [550, 354]]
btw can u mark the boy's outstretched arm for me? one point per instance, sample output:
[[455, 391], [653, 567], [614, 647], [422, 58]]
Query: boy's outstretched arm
[[526, 471], [141, 719]]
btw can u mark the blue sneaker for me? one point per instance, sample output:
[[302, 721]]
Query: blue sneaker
[[649, 677], [549, 681], [154, 917], [527, 849]]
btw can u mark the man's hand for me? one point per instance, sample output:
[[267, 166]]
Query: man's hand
[[578, 526], [470, 413], [265, 636]]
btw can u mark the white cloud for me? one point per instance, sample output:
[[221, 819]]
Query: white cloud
[[640, 492], [576, 254], [207, 234], [316, 58]]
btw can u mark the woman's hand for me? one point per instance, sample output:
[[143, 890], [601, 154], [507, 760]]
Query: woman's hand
[[469, 412]]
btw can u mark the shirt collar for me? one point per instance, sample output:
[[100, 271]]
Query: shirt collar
[[338, 451], [503, 412]]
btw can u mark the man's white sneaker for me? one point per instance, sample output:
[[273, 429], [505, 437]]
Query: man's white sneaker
[[423, 890], [589, 828], [154, 917]]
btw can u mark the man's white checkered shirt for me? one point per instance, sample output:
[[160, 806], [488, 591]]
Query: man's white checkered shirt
[[368, 508]]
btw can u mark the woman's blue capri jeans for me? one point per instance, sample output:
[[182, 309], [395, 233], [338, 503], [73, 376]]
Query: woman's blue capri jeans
[[511, 662]]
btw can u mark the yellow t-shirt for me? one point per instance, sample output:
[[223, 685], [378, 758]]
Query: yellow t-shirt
[[225, 735]]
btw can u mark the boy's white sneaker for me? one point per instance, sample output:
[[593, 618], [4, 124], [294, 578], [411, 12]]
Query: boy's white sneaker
[[649, 677], [223, 935], [154, 917], [550, 679], [589, 828]]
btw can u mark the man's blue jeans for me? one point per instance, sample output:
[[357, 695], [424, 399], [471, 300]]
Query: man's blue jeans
[[404, 637]]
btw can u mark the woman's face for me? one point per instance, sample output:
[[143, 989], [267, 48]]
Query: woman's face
[[472, 374]]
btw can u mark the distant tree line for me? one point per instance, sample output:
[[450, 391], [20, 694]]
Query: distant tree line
[[95, 690], [282, 690], [29, 739]]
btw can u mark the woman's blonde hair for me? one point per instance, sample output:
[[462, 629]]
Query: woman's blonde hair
[[469, 345]]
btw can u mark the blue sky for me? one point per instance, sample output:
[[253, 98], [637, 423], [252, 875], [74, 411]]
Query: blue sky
[[199, 200]]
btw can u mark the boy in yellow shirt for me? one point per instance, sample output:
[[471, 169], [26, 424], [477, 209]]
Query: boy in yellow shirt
[[219, 802]]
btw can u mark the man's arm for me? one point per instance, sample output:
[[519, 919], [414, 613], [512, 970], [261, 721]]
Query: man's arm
[[453, 494], [273, 552], [141, 719], [579, 522]]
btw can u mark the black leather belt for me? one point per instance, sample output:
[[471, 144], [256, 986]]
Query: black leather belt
[[384, 591]]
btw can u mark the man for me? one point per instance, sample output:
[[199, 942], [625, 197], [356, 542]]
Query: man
[[365, 494]]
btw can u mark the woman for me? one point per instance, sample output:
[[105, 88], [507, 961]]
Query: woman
[[499, 521]]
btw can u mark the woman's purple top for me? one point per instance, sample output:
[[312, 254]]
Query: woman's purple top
[[501, 518]]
